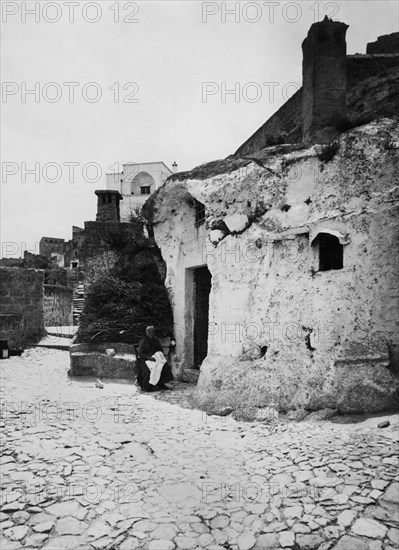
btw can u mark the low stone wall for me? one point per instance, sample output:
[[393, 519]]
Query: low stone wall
[[21, 301], [56, 277], [58, 302], [92, 360]]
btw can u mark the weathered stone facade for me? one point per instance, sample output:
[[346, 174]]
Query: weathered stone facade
[[21, 299], [92, 360], [57, 305], [324, 78], [108, 206], [281, 329]]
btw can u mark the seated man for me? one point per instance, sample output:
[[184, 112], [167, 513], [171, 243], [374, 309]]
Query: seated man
[[149, 346]]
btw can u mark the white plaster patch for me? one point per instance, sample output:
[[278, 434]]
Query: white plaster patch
[[216, 236], [236, 222]]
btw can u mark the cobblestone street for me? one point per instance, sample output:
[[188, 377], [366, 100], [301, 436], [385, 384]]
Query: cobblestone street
[[112, 468]]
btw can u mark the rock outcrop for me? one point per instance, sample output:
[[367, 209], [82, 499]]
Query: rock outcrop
[[284, 331]]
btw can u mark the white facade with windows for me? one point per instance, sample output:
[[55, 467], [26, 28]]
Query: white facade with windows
[[136, 183]]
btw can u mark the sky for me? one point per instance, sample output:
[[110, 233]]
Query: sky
[[88, 86]]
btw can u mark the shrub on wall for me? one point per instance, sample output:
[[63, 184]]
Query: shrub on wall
[[121, 304]]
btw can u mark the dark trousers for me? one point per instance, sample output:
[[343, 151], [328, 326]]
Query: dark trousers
[[143, 376]]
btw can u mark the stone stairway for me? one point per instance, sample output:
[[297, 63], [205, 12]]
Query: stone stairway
[[57, 338], [78, 301], [53, 342]]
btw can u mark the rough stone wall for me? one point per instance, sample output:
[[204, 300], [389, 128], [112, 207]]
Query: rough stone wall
[[57, 306], [389, 43], [108, 206], [36, 261], [72, 247], [21, 300], [324, 78], [285, 123], [55, 277], [12, 262], [50, 245], [375, 96], [280, 330], [363, 67]]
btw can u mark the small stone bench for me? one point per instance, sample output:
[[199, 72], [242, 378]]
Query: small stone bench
[[91, 360]]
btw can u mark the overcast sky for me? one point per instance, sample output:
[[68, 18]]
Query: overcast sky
[[139, 70]]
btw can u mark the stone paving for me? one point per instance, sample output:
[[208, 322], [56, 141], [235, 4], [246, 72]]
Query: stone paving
[[112, 468]]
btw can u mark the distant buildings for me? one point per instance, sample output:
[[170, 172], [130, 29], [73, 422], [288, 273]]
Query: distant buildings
[[53, 247], [136, 183]]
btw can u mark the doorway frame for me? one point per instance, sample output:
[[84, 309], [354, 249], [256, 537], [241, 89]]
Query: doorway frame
[[189, 315]]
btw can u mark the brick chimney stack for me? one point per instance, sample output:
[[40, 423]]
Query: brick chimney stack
[[108, 206], [324, 80]]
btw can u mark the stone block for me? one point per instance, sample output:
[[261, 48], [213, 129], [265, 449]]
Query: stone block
[[92, 360]]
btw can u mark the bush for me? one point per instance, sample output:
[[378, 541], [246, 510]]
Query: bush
[[119, 306], [136, 215]]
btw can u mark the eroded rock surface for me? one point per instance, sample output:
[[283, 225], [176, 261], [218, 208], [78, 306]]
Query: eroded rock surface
[[284, 331]]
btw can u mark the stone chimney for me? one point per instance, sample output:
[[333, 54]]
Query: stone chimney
[[174, 167], [324, 80], [108, 206]]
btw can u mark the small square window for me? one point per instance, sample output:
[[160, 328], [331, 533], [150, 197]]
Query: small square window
[[146, 190]]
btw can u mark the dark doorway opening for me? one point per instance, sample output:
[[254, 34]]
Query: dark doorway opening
[[202, 287]]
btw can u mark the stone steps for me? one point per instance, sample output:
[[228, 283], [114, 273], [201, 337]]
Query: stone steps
[[190, 375], [78, 302], [62, 332], [53, 342]]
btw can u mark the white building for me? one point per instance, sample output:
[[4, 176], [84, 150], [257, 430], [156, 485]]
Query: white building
[[136, 182]]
